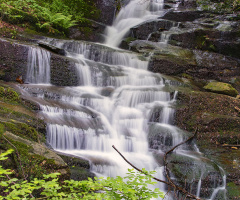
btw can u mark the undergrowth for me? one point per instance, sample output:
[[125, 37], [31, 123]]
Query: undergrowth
[[54, 16]]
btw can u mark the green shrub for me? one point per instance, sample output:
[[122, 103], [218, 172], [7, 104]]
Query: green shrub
[[48, 15], [134, 186]]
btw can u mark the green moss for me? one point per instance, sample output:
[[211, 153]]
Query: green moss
[[23, 130], [222, 88], [233, 190], [187, 76], [35, 128], [9, 95], [2, 92], [2, 128], [33, 165], [129, 39]]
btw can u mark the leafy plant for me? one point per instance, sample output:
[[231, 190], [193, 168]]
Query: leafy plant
[[48, 14], [132, 187], [57, 20]]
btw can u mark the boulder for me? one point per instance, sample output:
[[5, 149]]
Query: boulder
[[90, 31], [221, 88], [143, 30], [182, 16]]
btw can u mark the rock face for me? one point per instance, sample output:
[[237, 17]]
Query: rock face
[[108, 9], [170, 60], [182, 16], [224, 42], [144, 30], [218, 123], [222, 88], [13, 60], [63, 71], [91, 31]]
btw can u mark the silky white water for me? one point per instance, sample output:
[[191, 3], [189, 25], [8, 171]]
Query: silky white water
[[134, 13], [117, 102], [38, 66]]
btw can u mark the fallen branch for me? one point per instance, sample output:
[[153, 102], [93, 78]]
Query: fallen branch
[[170, 182]]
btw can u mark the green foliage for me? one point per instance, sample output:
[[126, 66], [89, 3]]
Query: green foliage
[[227, 6], [48, 15], [134, 186], [57, 20], [3, 157]]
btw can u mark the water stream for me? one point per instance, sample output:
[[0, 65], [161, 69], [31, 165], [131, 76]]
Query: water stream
[[117, 102]]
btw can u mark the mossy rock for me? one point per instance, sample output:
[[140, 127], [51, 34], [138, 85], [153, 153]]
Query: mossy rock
[[9, 95], [221, 88], [23, 130], [36, 159]]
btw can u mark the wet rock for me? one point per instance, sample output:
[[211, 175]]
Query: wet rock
[[164, 65], [189, 170], [107, 91], [155, 36], [212, 113], [13, 60], [91, 31], [126, 42], [182, 16], [108, 9], [215, 66], [79, 167], [224, 42], [171, 60], [221, 88], [143, 30], [187, 4], [63, 71], [33, 153], [52, 48]]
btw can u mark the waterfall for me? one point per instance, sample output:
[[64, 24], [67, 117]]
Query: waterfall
[[117, 102], [38, 69], [134, 13]]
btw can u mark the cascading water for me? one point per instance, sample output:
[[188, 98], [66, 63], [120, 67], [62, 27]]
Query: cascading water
[[38, 66], [116, 103], [134, 13]]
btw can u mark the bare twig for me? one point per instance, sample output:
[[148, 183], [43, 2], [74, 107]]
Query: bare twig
[[159, 180], [170, 182], [182, 190]]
